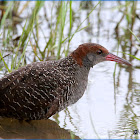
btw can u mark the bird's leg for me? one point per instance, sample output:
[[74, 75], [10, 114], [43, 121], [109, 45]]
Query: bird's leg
[[20, 121], [28, 121]]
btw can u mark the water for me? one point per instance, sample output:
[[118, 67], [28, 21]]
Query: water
[[110, 105]]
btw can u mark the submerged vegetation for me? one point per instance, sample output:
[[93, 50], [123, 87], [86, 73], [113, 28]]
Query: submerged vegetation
[[41, 31]]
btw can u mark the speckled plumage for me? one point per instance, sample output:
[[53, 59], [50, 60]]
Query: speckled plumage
[[41, 89]]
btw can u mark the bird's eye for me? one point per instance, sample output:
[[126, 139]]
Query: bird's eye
[[99, 52]]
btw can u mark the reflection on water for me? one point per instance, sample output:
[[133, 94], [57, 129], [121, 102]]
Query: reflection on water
[[129, 114], [110, 107], [43, 129]]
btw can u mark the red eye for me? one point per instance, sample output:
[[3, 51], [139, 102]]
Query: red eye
[[99, 52]]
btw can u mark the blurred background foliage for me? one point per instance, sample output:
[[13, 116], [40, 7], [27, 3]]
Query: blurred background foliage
[[25, 24]]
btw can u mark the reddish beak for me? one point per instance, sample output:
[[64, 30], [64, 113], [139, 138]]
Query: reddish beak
[[112, 57]]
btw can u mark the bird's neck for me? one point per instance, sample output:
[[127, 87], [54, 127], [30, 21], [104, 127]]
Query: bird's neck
[[71, 64]]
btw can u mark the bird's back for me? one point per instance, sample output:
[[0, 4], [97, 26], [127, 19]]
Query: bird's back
[[24, 93]]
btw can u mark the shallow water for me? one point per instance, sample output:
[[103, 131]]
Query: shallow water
[[110, 105]]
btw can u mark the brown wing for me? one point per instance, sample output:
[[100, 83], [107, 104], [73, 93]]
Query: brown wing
[[29, 92]]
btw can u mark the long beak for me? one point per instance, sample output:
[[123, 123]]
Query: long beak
[[112, 57]]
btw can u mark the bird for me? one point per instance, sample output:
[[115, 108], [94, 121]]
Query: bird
[[41, 89]]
